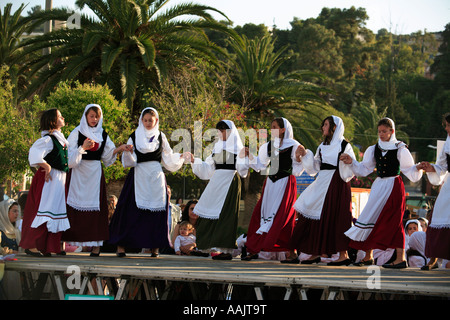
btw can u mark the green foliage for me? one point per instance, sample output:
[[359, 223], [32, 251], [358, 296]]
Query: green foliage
[[16, 131]]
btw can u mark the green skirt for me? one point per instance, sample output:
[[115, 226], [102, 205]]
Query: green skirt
[[221, 232]]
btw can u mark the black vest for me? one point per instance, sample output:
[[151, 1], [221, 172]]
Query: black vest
[[387, 165], [327, 166], [284, 162], [223, 160], [92, 155], [448, 161], [57, 158], [149, 156]]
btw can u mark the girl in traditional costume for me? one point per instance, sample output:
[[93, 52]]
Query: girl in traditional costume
[[141, 216], [324, 207], [87, 206], [273, 218], [380, 224], [438, 231], [218, 206], [45, 215]]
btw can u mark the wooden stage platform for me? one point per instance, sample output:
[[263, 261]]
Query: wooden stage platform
[[171, 277]]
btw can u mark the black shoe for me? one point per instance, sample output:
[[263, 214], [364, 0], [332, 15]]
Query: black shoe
[[364, 263], [316, 260], [95, 254], [34, 254], [121, 254], [429, 267], [198, 253], [250, 257], [400, 265], [291, 261], [223, 256], [61, 253], [345, 262]]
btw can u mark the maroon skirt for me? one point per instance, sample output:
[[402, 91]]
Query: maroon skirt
[[326, 235], [40, 237], [388, 231], [438, 242], [279, 235], [86, 226]]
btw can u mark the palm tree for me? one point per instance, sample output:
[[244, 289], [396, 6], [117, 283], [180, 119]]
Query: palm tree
[[12, 28], [128, 45], [257, 81]]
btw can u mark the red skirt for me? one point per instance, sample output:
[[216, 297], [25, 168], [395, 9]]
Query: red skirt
[[326, 235], [40, 237], [438, 242], [279, 235], [86, 226], [388, 231]]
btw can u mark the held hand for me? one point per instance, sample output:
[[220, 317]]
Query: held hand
[[88, 144], [426, 166], [300, 152], [189, 157], [128, 147], [346, 158]]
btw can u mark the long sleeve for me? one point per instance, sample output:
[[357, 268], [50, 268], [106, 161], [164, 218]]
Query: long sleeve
[[311, 163], [108, 156], [345, 170], [129, 159], [407, 165], [74, 152], [297, 167], [177, 244], [441, 167], [203, 169], [367, 165], [39, 150], [170, 160]]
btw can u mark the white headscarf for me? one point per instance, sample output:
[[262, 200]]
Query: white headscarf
[[5, 224], [288, 139], [393, 143], [93, 133], [147, 140], [330, 151], [233, 144]]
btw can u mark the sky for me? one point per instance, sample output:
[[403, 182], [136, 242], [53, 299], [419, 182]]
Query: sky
[[398, 16]]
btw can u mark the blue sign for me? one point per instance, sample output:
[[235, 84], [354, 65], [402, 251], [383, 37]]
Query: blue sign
[[303, 182]]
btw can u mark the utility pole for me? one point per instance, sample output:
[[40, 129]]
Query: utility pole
[[48, 24]]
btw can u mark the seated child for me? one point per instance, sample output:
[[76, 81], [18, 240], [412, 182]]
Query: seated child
[[185, 239]]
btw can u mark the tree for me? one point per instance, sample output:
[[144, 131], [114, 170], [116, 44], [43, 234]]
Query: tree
[[18, 130], [258, 85], [12, 27], [129, 45]]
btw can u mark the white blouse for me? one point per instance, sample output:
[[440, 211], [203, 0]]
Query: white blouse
[[84, 191], [149, 179]]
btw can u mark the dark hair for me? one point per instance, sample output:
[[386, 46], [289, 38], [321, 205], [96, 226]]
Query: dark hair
[[185, 213], [13, 204], [385, 122], [280, 123], [222, 125], [327, 139], [49, 120], [446, 118], [95, 109], [151, 111]]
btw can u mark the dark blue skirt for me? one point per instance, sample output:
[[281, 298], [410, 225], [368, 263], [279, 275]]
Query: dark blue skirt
[[132, 227]]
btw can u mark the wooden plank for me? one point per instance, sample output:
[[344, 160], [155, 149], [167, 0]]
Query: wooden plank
[[264, 273]]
